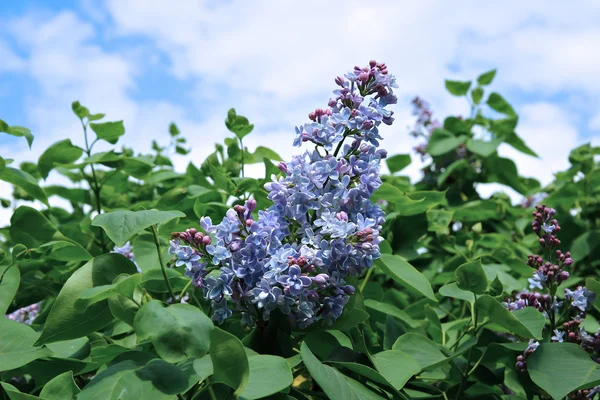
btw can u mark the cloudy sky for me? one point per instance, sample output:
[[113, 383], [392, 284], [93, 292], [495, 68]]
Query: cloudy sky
[[152, 62]]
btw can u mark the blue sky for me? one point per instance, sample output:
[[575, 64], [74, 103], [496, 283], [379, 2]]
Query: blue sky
[[152, 62]]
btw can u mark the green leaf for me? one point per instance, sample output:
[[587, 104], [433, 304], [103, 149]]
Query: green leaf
[[31, 228], [214, 210], [458, 88], [517, 143], [393, 311], [229, 360], [80, 110], [422, 201], [17, 131], [177, 332], [396, 366], [398, 162], [126, 380], [25, 181], [63, 387], [560, 368], [438, 220], [423, 350], [497, 103], [173, 129], [10, 277], [477, 95], [335, 385], [526, 322], [401, 271], [109, 131], [203, 367], [268, 375], [262, 152], [17, 345], [124, 287], [144, 250], [486, 78], [63, 152], [471, 276], [238, 124], [483, 148], [585, 244], [14, 394], [64, 321], [455, 166], [452, 290], [442, 142], [122, 225], [496, 287]]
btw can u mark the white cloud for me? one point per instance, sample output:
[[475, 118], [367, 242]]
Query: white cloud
[[275, 61]]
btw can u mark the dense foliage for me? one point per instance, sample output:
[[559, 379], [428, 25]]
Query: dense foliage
[[324, 279]]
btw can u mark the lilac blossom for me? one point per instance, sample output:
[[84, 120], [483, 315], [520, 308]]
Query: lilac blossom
[[321, 227]]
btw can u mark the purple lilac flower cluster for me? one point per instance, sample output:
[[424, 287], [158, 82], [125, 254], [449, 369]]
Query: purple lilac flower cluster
[[424, 125], [295, 256], [565, 316], [25, 315]]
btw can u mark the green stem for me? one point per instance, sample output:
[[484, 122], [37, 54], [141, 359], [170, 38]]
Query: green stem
[[242, 148], [162, 263], [185, 288], [366, 279], [96, 188], [211, 393]]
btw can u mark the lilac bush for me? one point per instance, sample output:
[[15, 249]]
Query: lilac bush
[[296, 255]]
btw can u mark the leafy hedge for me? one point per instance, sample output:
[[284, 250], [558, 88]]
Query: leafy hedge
[[321, 280]]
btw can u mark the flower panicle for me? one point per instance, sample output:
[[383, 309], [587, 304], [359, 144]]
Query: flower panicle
[[295, 255]]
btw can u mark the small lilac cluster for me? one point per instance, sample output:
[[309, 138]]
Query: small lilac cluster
[[565, 316], [542, 302], [545, 226], [424, 125], [521, 364], [25, 315], [548, 274], [295, 256], [356, 111]]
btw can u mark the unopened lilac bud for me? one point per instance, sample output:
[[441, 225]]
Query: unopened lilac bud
[[251, 204], [563, 276], [572, 335], [234, 246], [367, 246], [192, 231], [568, 262], [520, 365], [339, 81], [372, 63], [349, 289], [206, 240], [542, 241], [249, 222], [332, 102], [321, 280], [282, 167], [198, 237], [382, 153], [342, 216]]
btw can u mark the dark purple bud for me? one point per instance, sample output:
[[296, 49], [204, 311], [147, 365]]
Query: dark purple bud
[[282, 167], [339, 81], [348, 289], [568, 262], [206, 240]]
